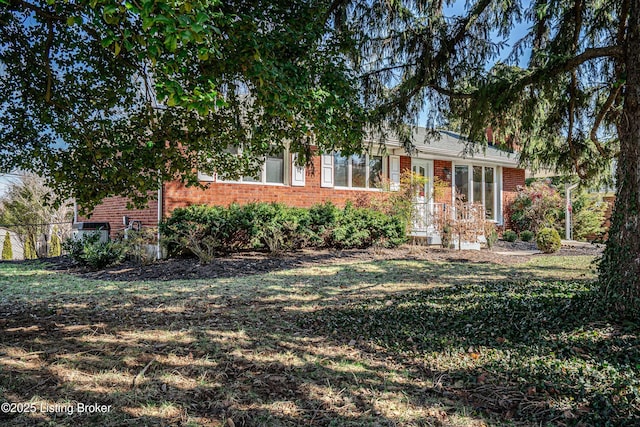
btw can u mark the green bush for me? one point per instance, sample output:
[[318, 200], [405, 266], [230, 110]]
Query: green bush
[[526, 236], [509, 236], [361, 228], [104, 254], [588, 216], [536, 206], [548, 240], [7, 248], [89, 251], [205, 231]]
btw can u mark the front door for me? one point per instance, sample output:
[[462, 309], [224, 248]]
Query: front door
[[423, 200]]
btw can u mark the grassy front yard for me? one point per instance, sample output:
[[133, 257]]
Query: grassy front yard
[[361, 342]]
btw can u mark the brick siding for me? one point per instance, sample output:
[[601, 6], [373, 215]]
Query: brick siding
[[176, 194], [439, 172], [512, 178], [112, 210], [223, 194]]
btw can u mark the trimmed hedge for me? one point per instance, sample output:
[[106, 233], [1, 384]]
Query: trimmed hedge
[[208, 230]]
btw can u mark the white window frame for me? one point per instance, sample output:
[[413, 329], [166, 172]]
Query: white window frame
[[330, 169], [496, 188], [263, 173]]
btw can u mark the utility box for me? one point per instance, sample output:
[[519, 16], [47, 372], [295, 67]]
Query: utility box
[[81, 229]]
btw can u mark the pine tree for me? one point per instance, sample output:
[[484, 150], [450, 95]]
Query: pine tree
[[55, 245], [30, 248], [7, 248]]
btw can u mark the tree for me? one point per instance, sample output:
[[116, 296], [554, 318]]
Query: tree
[[7, 249], [574, 103], [28, 209], [106, 97], [55, 244], [30, 247]]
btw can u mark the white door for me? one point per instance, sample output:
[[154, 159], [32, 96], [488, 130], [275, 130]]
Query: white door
[[423, 199]]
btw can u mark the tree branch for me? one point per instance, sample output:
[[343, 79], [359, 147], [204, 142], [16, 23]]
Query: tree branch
[[601, 115]]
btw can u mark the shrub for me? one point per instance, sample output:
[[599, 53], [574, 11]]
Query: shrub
[[89, 251], [588, 216], [7, 248], [490, 233], [446, 235], [140, 245], [205, 231], [509, 236], [536, 206], [103, 254], [360, 228], [74, 247], [548, 240], [526, 236]]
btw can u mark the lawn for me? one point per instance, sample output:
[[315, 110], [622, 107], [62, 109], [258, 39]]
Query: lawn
[[359, 342]]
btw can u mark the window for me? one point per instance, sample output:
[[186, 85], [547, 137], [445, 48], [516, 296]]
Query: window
[[357, 171], [271, 172], [462, 182], [478, 185]]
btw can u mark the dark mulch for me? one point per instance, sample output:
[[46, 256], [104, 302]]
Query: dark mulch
[[251, 263]]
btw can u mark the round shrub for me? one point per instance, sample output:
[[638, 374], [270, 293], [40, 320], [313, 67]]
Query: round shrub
[[548, 240], [509, 236], [526, 236]]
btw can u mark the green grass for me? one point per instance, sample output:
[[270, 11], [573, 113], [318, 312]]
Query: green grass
[[401, 342]]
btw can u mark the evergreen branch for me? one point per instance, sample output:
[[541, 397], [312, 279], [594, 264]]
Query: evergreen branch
[[600, 117]]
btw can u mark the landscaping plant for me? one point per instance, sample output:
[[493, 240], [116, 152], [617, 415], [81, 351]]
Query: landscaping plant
[[509, 236], [537, 205], [90, 251], [588, 216], [205, 231], [30, 247], [55, 244], [490, 233], [526, 235], [548, 240], [7, 248]]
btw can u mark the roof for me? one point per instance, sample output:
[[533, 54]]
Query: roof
[[447, 144]]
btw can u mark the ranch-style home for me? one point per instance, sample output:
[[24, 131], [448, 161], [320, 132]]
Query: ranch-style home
[[488, 177]]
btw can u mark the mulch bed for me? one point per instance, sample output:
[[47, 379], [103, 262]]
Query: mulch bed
[[251, 263]]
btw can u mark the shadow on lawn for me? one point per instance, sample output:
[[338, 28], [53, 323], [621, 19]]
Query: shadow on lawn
[[339, 346], [531, 351], [197, 374]]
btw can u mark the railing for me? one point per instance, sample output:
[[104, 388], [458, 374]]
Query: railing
[[430, 218]]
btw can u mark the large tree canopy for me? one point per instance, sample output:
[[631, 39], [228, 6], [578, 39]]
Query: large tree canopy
[[110, 97], [568, 94], [105, 97]]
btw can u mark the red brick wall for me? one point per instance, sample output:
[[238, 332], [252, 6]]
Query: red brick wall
[[439, 166], [405, 163], [176, 194], [512, 178], [112, 210], [223, 194]]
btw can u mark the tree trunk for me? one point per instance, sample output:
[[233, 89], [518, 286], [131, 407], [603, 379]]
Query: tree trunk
[[620, 265]]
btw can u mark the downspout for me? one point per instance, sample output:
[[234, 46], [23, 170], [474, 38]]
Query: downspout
[[568, 232], [158, 246], [75, 211]]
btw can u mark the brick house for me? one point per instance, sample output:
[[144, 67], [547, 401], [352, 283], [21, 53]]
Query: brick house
[[489, 177]]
